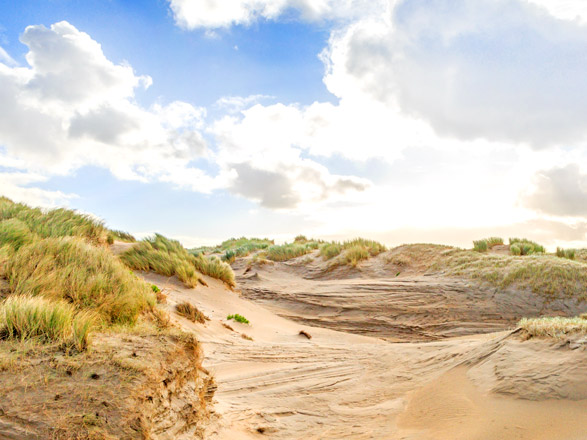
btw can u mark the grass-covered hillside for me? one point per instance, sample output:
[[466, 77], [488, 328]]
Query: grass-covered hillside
[[540, 272], [168, 257], [62, 281], [82, 341]]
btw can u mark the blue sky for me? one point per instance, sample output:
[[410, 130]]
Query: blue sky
[[393, 119]]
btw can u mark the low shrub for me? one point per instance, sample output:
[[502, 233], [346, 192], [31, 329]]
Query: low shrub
[[238, 318], [25, 317], [515, 250]]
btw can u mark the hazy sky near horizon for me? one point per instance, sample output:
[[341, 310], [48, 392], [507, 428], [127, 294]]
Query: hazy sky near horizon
[[400, 120]]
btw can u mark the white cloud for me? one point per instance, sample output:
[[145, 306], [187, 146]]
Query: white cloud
[[192, 14], [502, 70], [560, 191], [73, 107], [15, 186], [83, 111], [575, 10]]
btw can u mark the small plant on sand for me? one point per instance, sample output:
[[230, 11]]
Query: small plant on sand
[[238, 318], [480, 245], [191, 312], [566, 253], [553, 327]]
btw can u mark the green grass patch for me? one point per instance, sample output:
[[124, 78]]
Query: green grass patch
[[168, 257], [566, 253], [122, 236], [56, 222], [480, 246], [238, 318], [526, 247], [27, 317], [330, 250], [286, 251], [89, 277]]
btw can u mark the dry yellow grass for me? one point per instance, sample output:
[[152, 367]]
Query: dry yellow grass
[[554, 327]]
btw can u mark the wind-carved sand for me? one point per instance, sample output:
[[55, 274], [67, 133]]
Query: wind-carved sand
[[357, 384]]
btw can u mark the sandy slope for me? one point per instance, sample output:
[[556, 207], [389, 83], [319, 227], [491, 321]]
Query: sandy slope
[[340, 385]]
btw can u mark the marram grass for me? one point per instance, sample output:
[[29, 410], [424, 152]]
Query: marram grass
[[27, 317], [87, 276], [554, 327], [168, 257]]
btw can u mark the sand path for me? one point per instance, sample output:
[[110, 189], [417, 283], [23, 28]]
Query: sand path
[[281, 385]]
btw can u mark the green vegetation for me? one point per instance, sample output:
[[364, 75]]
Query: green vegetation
[[26, 317], [191, 312], [62, 280], [526, 246], [487, 243], [238, 318], [168, 257], [215, 268], [480, 246], [494, 241], [354, 254], [374, 248], [543, 274], [87, 276], [155, 289], [53, 223], [287, 251], [122, 236], [557, 328], [330, 250], [566, 253]]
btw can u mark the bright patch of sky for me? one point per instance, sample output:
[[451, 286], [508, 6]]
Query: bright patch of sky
[[390, 119]]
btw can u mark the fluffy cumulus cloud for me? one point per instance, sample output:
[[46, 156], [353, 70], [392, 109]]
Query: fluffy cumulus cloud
[[560, 191], [192, 14], [503, 70], [71, 107]]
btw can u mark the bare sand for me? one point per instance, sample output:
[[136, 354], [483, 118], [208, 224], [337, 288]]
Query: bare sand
[[338, 384]]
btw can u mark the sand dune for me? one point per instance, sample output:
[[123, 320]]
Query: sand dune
[[282, 385]]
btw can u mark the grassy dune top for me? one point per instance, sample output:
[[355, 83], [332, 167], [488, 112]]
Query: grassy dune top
[[168, 257], [62, 280], [542, 273]]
